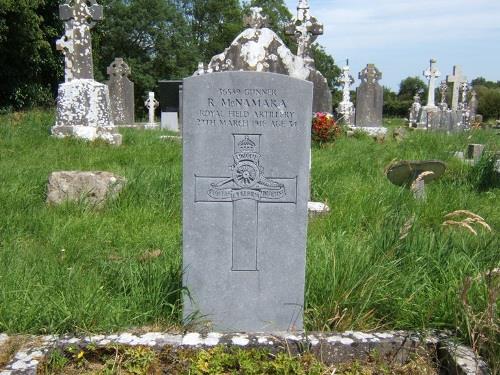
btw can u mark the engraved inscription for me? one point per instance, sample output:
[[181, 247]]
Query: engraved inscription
[[245, 107]]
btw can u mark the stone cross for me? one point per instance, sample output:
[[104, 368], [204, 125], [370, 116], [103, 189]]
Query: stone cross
[[431, 74], [151, 104], [443, 90], [456, 79], [346, 107], [256, 20], [370, 74], [305, 29], [79, 17]]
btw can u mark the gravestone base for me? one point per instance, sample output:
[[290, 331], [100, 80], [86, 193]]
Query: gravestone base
[[373, 131], [170, 121], [84, 111], [154, 126]]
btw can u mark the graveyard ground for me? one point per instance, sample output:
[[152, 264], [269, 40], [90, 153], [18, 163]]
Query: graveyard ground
[[380, 260]]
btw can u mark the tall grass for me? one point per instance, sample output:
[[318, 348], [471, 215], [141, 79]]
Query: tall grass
[[380, 260]]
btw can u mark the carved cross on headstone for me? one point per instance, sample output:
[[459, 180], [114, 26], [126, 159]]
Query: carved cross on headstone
[[305, 29], [370, 74], [256, 20], [443, 91], [79, 17], [245, 189], [457, 78], [431, 74]]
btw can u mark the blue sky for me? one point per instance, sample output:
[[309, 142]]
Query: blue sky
[[400, 36]]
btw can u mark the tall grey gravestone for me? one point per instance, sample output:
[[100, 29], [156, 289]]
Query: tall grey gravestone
[[246, 156], [83, 105], [370, 101], [121, 93]]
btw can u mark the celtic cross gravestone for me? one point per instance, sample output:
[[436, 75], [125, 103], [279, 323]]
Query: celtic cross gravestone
[[121, 92], [245, 189]]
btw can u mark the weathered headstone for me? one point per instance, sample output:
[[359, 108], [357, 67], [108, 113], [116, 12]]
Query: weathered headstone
[[260, 49], [121, 93], [246, 157], [170, 104], [457, 78], [151, 104], [370, 99], [83, 105], [443, 91]]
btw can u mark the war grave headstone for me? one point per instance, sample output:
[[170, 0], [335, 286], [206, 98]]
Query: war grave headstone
[[370, 102], [83, 105], [151, 104], [246, 150], [260, 49], [170, 104], [121, 92]]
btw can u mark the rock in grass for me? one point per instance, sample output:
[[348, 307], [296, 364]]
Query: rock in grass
[[93, 188]]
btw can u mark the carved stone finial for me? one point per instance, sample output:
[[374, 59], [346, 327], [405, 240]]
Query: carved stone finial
[[305, 29], [119, 68], [256, 20]]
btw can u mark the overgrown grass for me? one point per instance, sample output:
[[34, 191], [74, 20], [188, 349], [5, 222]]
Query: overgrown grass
[[379, 260]]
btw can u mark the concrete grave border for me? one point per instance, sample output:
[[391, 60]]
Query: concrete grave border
[[330, 347]]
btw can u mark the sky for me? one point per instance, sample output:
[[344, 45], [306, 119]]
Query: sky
[[401, 36]]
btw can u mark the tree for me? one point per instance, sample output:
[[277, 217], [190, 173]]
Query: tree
[[30, 63], [152, 36], [214, 24], [409, 87]]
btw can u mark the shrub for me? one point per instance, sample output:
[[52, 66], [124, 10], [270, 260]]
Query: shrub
[[324, 127]]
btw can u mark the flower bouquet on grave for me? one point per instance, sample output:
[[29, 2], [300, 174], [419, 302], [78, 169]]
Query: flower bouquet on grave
[[325, 128]]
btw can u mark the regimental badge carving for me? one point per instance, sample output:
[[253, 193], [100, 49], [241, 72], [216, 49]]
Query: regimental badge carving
[[247, 180], [246, 188]]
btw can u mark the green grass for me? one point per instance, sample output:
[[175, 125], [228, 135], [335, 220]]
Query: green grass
[[73, 269]]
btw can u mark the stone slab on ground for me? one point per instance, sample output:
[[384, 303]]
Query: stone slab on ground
[[95, 188], [317, 208]]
